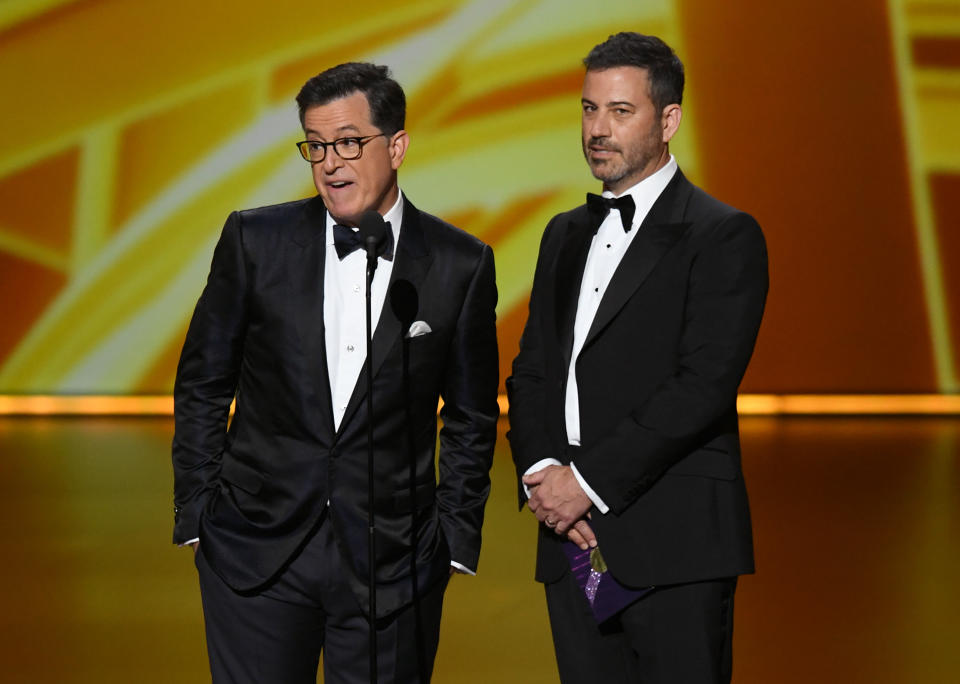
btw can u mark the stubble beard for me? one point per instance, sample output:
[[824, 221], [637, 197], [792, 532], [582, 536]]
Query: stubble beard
[[606, 170], [613, 170]]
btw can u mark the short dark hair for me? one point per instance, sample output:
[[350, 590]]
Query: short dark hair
[[388, 104], [664, 68]]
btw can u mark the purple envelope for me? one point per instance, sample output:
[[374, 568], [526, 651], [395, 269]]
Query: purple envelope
[[606, 596]]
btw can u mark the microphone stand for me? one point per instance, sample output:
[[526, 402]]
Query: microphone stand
[[371, 247]]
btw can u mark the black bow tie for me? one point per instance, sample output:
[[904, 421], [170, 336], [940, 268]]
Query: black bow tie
[[347, 240], [601, 206]]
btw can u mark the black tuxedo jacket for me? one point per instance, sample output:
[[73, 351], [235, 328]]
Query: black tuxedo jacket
[[657, 380], [253, 492]]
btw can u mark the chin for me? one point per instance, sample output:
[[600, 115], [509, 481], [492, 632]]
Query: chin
[[601, 174], [600, 169], [343, 210]]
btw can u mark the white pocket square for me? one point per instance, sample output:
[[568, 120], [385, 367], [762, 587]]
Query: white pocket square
[[418, 328]]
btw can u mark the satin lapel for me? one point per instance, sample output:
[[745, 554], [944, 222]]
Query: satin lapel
[[306, 259], [413, 260], [569, 272], [660, 230]]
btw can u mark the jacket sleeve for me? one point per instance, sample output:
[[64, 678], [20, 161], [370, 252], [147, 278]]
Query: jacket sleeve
[[206, 381], [528, 387], [469, 416], [726, 294]]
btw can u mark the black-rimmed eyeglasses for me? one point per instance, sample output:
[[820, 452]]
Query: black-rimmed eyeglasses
[[315, 151]]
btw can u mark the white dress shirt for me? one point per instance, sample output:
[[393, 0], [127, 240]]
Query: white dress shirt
[[345, 307], [609, 245]]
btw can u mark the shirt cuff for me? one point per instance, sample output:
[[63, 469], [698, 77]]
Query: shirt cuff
[[189, 541], [461, 568], [592, 495], [539, 465]]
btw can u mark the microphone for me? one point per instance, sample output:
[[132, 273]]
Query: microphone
[[405, 302], [373, 231]]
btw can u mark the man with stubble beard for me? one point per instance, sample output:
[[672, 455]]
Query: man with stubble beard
[[644, 311]]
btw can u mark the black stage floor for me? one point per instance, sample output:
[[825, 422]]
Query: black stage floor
[[857, 527]]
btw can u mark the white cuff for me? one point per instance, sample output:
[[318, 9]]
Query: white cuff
[[462, 568], [597, 501], [190, 541], [539, 465]]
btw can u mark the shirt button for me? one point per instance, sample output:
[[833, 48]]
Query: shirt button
[[350, 347], [608, 246], [356, 288]]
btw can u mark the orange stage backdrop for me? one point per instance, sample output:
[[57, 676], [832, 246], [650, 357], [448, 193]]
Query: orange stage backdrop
[[129, 130]]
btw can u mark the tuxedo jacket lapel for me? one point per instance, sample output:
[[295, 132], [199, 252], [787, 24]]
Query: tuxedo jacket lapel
[[660, 230], [306, 259], [571, 261], [412, 261]]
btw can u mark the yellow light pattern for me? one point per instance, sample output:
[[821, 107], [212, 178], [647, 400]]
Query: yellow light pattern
[[130, 130]]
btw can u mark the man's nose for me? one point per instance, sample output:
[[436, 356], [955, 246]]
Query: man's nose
[[331, 161], [600, 126]]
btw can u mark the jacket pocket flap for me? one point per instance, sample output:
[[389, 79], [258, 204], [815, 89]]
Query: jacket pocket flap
[[240, 474]]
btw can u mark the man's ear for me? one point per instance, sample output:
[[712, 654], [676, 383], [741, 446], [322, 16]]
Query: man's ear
[[670, 121], [399, 142]]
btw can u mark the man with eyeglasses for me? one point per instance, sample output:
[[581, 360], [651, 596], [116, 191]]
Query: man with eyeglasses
[[275, 505]]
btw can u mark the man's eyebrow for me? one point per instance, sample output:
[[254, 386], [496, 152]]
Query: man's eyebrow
[[613, 103]]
